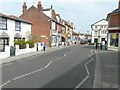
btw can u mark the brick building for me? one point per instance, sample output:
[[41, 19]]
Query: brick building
[[45, 26], [40, 22], [56, 26], [114, 29]]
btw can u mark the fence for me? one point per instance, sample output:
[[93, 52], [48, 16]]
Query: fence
[[6, 53], [37, 47]]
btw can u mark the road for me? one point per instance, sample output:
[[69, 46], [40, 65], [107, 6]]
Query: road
[[70, 67]]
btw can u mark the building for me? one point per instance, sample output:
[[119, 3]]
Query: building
[[69, 30], [76, 37], [99, 31], [12, 28], [114, 29], [46, 27], [40, 22], [56, 26]]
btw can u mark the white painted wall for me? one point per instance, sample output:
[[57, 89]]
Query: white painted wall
[[97, 30], [11, 30], [5, 54]]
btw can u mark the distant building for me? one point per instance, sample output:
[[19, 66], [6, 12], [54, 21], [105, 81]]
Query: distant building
[[13, 28], [114, 29], [75, 36], [82, 36], [99, 31]]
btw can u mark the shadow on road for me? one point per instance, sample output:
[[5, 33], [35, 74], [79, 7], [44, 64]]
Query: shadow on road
[[71, 78]]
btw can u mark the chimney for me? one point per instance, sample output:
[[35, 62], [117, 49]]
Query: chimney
[[39, 6], [24, 8], [119, 5]]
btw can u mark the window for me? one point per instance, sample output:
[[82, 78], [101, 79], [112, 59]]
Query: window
[[3, 42], [17, 26], [3, 23], [95, 33], [114, 40]]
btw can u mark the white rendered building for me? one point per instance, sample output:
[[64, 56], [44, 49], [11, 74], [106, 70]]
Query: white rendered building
[[99, 31], [12, 28]]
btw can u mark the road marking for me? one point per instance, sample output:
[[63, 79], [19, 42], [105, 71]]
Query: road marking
[[82, 82], [28, 74], [48, 64], [91, 59], [5, 83], [33, 71]]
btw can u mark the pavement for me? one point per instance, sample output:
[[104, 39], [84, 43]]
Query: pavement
[[106, 70], [15, 58]]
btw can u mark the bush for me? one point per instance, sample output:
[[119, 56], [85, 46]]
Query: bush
[[21, 43], [31, 44]]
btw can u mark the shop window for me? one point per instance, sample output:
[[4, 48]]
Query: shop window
[[114, 40]]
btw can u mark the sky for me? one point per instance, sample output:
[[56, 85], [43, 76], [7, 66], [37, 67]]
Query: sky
[[83, 13]]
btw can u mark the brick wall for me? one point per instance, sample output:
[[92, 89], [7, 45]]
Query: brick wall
[[114, 20], [40, 24]]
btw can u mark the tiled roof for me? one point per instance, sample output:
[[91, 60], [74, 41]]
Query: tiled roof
[[14, 18]]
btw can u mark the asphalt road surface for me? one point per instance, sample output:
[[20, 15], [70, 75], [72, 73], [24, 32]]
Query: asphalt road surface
[[70, 67]]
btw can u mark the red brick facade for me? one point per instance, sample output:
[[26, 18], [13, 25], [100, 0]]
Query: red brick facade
[[114, 20], [40, 23]]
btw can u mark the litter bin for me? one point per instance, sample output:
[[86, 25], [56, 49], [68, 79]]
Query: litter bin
[[12, 51]]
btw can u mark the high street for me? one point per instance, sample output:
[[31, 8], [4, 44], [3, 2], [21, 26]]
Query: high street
[[77, 66], [65, 68]]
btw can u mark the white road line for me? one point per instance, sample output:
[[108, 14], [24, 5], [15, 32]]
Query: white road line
[[82, 82], [28, 74], [48, 64], [86, 70], [5, 83], [34, 71]]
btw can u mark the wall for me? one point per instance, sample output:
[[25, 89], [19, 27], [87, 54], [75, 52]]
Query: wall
[[114, 20], [5, 54], [27, 49], [11, 30]]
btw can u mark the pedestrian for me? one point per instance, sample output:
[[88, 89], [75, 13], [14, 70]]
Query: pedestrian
[[96, 45], [44, 46], [102, 44], [105, 45]]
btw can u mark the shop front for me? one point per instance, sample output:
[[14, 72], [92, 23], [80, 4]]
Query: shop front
[[113, 41]]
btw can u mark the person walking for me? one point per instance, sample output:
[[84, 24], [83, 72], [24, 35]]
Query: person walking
[[102, 44], [105, 45], [96, 45], [44, 46]]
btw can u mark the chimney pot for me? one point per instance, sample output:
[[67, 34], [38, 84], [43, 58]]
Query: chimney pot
[[39, 6], [24, 7]]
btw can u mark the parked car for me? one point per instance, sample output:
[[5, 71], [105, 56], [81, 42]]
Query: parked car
[[83, 42]]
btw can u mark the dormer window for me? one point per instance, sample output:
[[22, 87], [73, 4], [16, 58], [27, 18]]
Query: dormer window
[[17, 26], [3, 23]]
